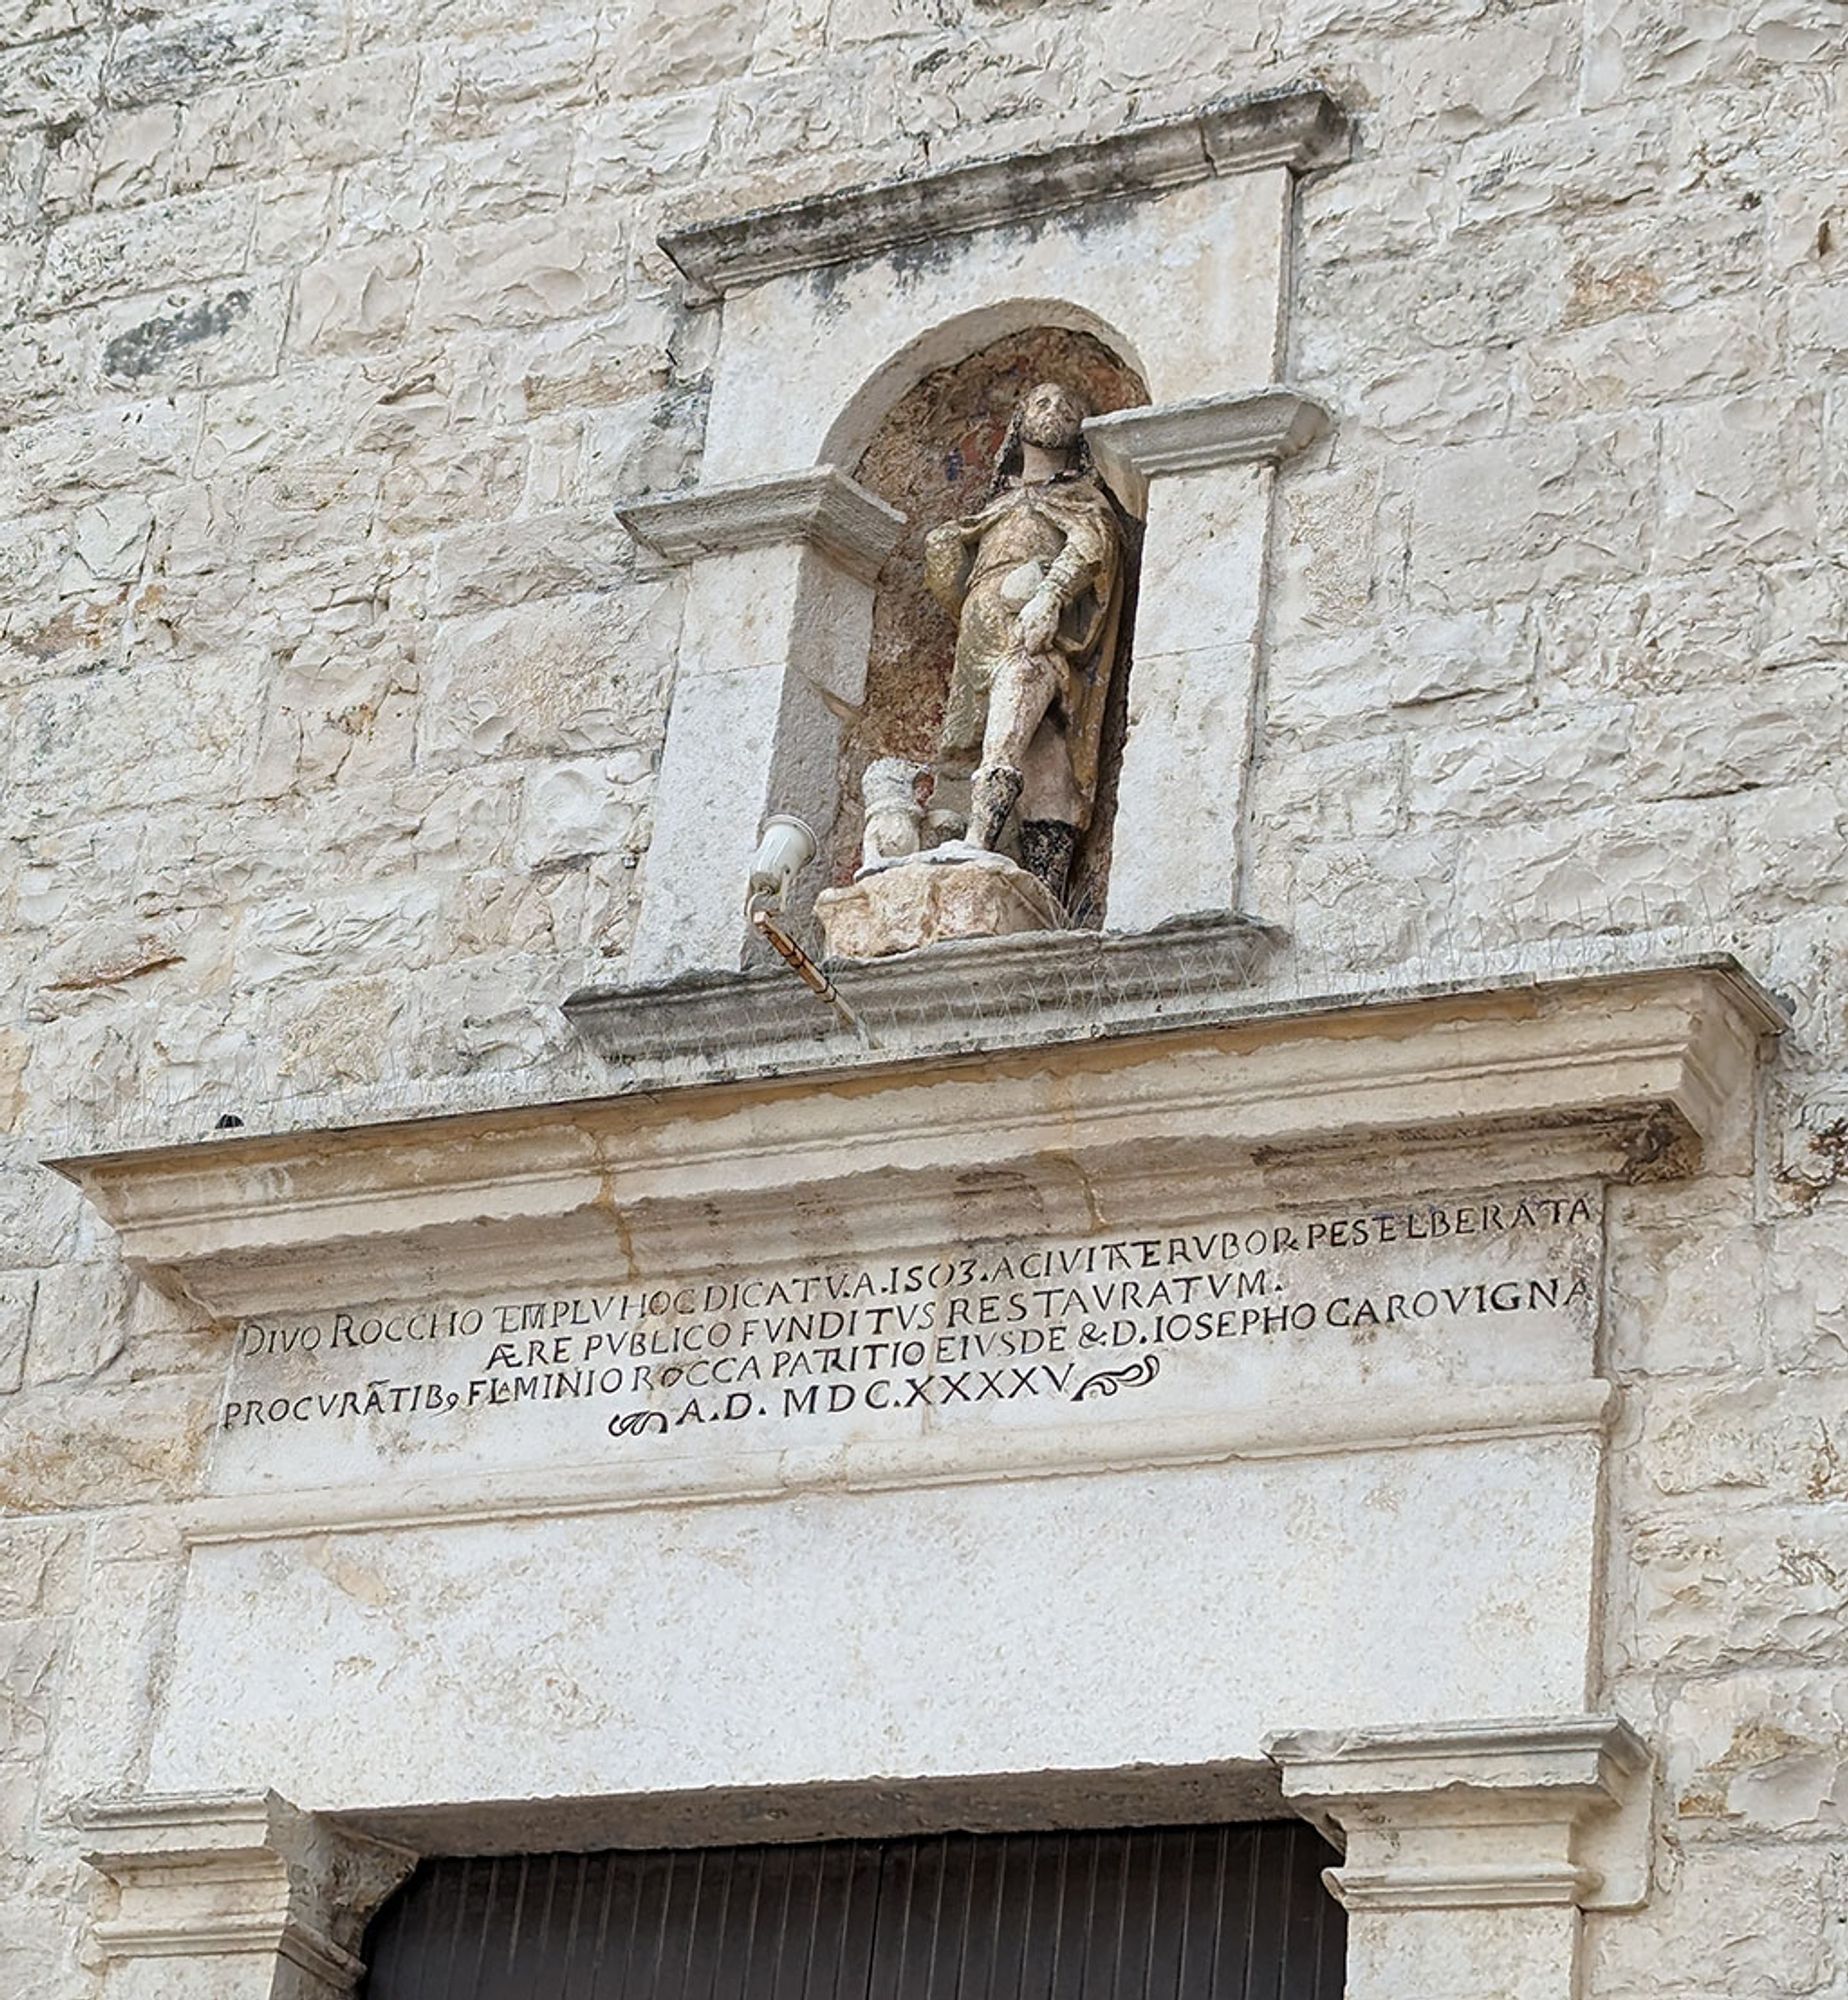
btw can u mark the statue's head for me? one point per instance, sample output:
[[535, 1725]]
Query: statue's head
[[1051, 417]]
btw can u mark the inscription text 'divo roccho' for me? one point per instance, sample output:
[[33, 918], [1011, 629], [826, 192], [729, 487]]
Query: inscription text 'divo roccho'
[[1208, 1317]]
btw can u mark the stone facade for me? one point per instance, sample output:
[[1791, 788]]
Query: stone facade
[[335, 698]]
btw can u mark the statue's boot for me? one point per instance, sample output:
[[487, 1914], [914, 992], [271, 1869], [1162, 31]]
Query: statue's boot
[[1046, 849], [993, 796]]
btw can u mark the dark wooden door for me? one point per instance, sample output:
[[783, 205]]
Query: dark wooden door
[[1179, 1913]]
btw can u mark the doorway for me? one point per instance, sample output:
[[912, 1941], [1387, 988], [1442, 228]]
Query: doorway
[[1172, 1913]]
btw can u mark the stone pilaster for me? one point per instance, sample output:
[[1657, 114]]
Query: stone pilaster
[[1203, 471], [236, 1897], [1472, 1850], [774, 641]]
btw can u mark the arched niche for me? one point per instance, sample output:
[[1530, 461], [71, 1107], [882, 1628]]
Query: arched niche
[[958, 343], [930, 452]]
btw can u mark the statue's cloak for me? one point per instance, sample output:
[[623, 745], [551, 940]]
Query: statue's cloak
[[1086, 641]]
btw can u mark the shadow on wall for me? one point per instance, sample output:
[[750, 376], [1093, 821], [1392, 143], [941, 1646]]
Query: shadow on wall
[[933, 458]]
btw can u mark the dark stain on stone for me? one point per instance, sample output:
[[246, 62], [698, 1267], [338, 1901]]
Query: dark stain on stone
[[152, 346]]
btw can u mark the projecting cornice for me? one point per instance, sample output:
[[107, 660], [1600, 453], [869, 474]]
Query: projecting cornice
[[821, 507], [714, 1136], [1262, 428], [1301, 129], [1480, 1815]]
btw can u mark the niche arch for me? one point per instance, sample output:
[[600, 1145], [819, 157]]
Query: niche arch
[[952, 344], [931, 454]]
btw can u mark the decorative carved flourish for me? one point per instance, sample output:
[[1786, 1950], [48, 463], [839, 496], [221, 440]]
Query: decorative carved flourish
[[632, 1423], [1107, 1381]]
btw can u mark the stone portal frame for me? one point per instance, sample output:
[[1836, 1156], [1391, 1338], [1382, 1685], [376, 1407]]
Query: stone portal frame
[[1470, 1851], [1171, 244]]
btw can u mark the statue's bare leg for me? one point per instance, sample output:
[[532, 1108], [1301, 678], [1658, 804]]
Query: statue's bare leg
[[1023, 690]]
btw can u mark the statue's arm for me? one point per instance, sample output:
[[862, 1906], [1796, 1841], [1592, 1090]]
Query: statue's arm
[[948, 559], [1068, 576]]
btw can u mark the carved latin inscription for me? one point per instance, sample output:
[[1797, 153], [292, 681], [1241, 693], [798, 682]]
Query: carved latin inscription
[[1211, 1316]]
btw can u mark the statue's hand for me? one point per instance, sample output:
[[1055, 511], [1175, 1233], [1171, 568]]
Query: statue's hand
[[1038, 624]]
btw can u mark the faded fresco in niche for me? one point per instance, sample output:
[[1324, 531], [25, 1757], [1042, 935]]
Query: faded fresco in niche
[[934, 458]]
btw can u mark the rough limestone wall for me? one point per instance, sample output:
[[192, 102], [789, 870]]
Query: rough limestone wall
[[331, 699]]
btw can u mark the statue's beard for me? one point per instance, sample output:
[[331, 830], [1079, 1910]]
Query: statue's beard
[[1048, 434]]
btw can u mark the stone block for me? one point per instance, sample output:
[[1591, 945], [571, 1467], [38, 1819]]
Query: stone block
[[1806, 1280], [1327, 689], [50, 83], [17, 1290], [189, 340], [1570, 164], [1760, 1753], [1700, 1589], [1742, 737], [176, 242], [1741, 1923], [31, 1663], [195, 720], [79, 1322], [41, 1568], [38, 20], [473, 85], [1742, 478], [1324, 569], [573, 810], [1482, 660], [1714, 348], [557, 677], [1807, 617], [176, 55], [560, 552], [1599, 872], [1653, 636], [641, 142], [1685, 1293], [1531, 765], [522, 273], [1452, 86], [141, 444], [1338, 791], [1657, 46], [358, 299], [1790, 847], [1501, 519], [921, 903], [510, 176], [134, 155]]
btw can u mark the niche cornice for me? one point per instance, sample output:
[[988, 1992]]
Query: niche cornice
[[1302, 129]]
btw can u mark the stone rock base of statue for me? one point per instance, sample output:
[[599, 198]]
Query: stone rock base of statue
[[956, 891]]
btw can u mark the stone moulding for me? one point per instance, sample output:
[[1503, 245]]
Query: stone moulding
[[821, 507], [1652, 1068], [1483, 1815], [1330, 1426], [237, 1876], [1262, 428], [1302, 129]]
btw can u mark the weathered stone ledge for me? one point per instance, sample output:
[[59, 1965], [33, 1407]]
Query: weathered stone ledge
[[1320, 1427], [1108, 1079], [1302, 129], [959, 996]]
